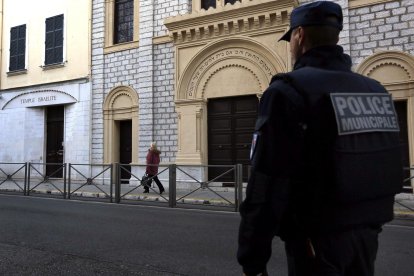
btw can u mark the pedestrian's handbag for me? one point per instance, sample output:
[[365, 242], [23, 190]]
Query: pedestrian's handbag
[[146, 180]]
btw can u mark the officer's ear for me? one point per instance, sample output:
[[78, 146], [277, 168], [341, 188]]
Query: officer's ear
[[301, 37]]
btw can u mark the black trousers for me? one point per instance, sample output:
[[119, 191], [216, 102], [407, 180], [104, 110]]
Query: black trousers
[[157, 181], [345, 253]]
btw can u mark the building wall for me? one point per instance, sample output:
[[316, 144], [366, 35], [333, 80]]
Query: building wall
[[381, 27], [147, 68], [98, 85], [165, 116], [23, 124], [76, 54], [23, 134]]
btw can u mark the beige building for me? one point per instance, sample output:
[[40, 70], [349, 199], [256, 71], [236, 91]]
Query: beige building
[[45, 81]]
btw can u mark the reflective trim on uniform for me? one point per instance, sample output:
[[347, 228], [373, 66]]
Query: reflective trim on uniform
[[254, 143], [364, 112]]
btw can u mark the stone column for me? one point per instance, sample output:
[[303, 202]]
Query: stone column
[[192, 132]]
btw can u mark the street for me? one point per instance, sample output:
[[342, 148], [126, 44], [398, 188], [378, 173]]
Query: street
[[40, 236]]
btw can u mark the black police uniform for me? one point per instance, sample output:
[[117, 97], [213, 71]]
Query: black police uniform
[[326, 195]]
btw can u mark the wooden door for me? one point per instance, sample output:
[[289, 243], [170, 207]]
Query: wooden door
[[230, 127], [401, 109], [125, 149], [54, 140]]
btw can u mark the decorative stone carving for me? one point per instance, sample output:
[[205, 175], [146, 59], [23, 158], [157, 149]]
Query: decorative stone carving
[[400, 67], [239, 18]]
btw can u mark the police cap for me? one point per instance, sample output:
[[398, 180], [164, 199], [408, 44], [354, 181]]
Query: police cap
[[315, 14]]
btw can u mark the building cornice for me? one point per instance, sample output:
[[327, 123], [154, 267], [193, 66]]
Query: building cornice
[[241, 17]]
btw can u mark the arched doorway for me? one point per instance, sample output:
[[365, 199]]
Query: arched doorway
[[395, 70], [224, 75], [121, 126]]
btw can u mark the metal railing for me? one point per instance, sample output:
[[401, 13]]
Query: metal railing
[[105, 182], [212, 187], [11, 175], [120, 183], [407, 183], [37, 172], [407, 186], [134, 182], [90, 176]]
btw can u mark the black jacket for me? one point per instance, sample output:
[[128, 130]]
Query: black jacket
[[293, 190]]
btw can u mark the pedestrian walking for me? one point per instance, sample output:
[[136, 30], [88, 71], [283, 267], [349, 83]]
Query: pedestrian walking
[[326, 160], [153, 161]]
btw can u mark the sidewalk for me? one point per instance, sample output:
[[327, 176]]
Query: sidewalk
[[211, 196], [404, 205]]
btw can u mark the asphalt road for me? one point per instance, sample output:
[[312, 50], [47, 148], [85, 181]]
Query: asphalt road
[[40, 236]]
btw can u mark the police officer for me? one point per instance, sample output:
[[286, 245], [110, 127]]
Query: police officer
[[325, 158]]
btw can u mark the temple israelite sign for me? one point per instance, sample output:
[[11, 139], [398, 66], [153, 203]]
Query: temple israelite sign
[[39, 98]]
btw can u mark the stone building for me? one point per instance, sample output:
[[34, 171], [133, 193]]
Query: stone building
[[45, 84], [189, 74]]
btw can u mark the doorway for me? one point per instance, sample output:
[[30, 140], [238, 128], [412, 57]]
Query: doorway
[[54, 140], [231, 124], [401, 109], [125, 149]]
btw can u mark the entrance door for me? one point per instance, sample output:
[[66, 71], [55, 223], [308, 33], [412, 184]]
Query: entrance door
[[401, 108], [125, 149], [54, 140], [230, 127]]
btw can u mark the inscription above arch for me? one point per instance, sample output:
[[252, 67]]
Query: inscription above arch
[[242, 54]]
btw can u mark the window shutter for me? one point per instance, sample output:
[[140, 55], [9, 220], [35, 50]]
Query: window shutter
[[54, 40], [21, 47], [17, 48]]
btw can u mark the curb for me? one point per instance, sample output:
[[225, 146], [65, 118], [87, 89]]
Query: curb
[[399, 211], [404, 215]]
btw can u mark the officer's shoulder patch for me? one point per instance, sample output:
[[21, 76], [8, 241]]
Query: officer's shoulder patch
[[364, 112]]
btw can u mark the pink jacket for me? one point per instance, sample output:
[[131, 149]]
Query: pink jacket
[[153, 158]]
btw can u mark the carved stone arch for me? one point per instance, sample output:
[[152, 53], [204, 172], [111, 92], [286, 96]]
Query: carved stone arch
[[227, 67], [120, 104], [121, 97], [395, 70], [238, 52], [211, 83], [389, 67]]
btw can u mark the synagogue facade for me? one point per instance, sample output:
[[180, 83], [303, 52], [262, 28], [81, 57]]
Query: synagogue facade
[[191, 73]]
